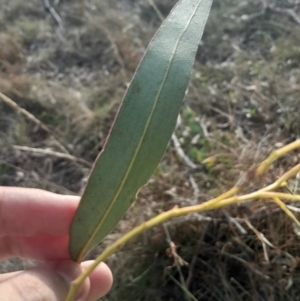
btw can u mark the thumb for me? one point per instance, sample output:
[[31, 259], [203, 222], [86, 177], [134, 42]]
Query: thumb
[[50, 281]]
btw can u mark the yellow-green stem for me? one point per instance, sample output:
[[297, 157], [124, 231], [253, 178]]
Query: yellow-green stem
[[282, 180], [165, 216], [223, 200], [287, 211], [276, 155]]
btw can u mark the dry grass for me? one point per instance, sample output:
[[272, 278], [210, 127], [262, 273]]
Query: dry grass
[[243, 101]]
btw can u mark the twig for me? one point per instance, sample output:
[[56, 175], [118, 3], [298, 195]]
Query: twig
[[194, 217], [178, 261], [48, 152], [181, 153], [195, 189], [186, 291], [262, 239], [54, 14], [236, 223], [287, 11], [275, 155], [204, 127], [16, 107], [178, 199], [157, 11], [293, 208], [138, 278], [246, 263], [287, 211], [223, 200]]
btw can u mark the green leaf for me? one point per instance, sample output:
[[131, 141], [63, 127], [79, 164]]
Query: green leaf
[[142, 128]]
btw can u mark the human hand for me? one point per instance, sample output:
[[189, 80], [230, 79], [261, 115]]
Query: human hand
[[34, 224]]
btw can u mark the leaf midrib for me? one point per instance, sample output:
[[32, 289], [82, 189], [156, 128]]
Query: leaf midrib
[[115, 197]]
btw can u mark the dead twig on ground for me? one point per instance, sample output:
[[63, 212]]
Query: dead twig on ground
[[195, 189], [262, 239], [242, 230], [181, 153], [31, 117], [54, 14], [48, 152], [178, 263], [156, 9]]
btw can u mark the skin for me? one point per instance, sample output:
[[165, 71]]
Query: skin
[[34, 224]]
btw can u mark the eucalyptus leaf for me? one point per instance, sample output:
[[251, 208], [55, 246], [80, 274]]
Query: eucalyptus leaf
[[142, 128]]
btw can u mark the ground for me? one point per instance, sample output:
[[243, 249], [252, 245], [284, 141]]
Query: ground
[[71, 72]]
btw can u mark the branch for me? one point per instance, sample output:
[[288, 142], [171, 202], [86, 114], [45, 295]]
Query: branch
[[223, 200], [163, 217], [54, 14]]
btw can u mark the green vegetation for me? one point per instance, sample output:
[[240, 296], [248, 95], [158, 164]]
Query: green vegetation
[[242, 101]]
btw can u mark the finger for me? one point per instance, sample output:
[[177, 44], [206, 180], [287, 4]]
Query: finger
[[6, 276], [37, 248], [28, 212], [49, 282], [101, 280]]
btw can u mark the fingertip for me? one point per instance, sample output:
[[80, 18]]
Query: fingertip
[[69, 271], [50, 281], [101, 280]]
